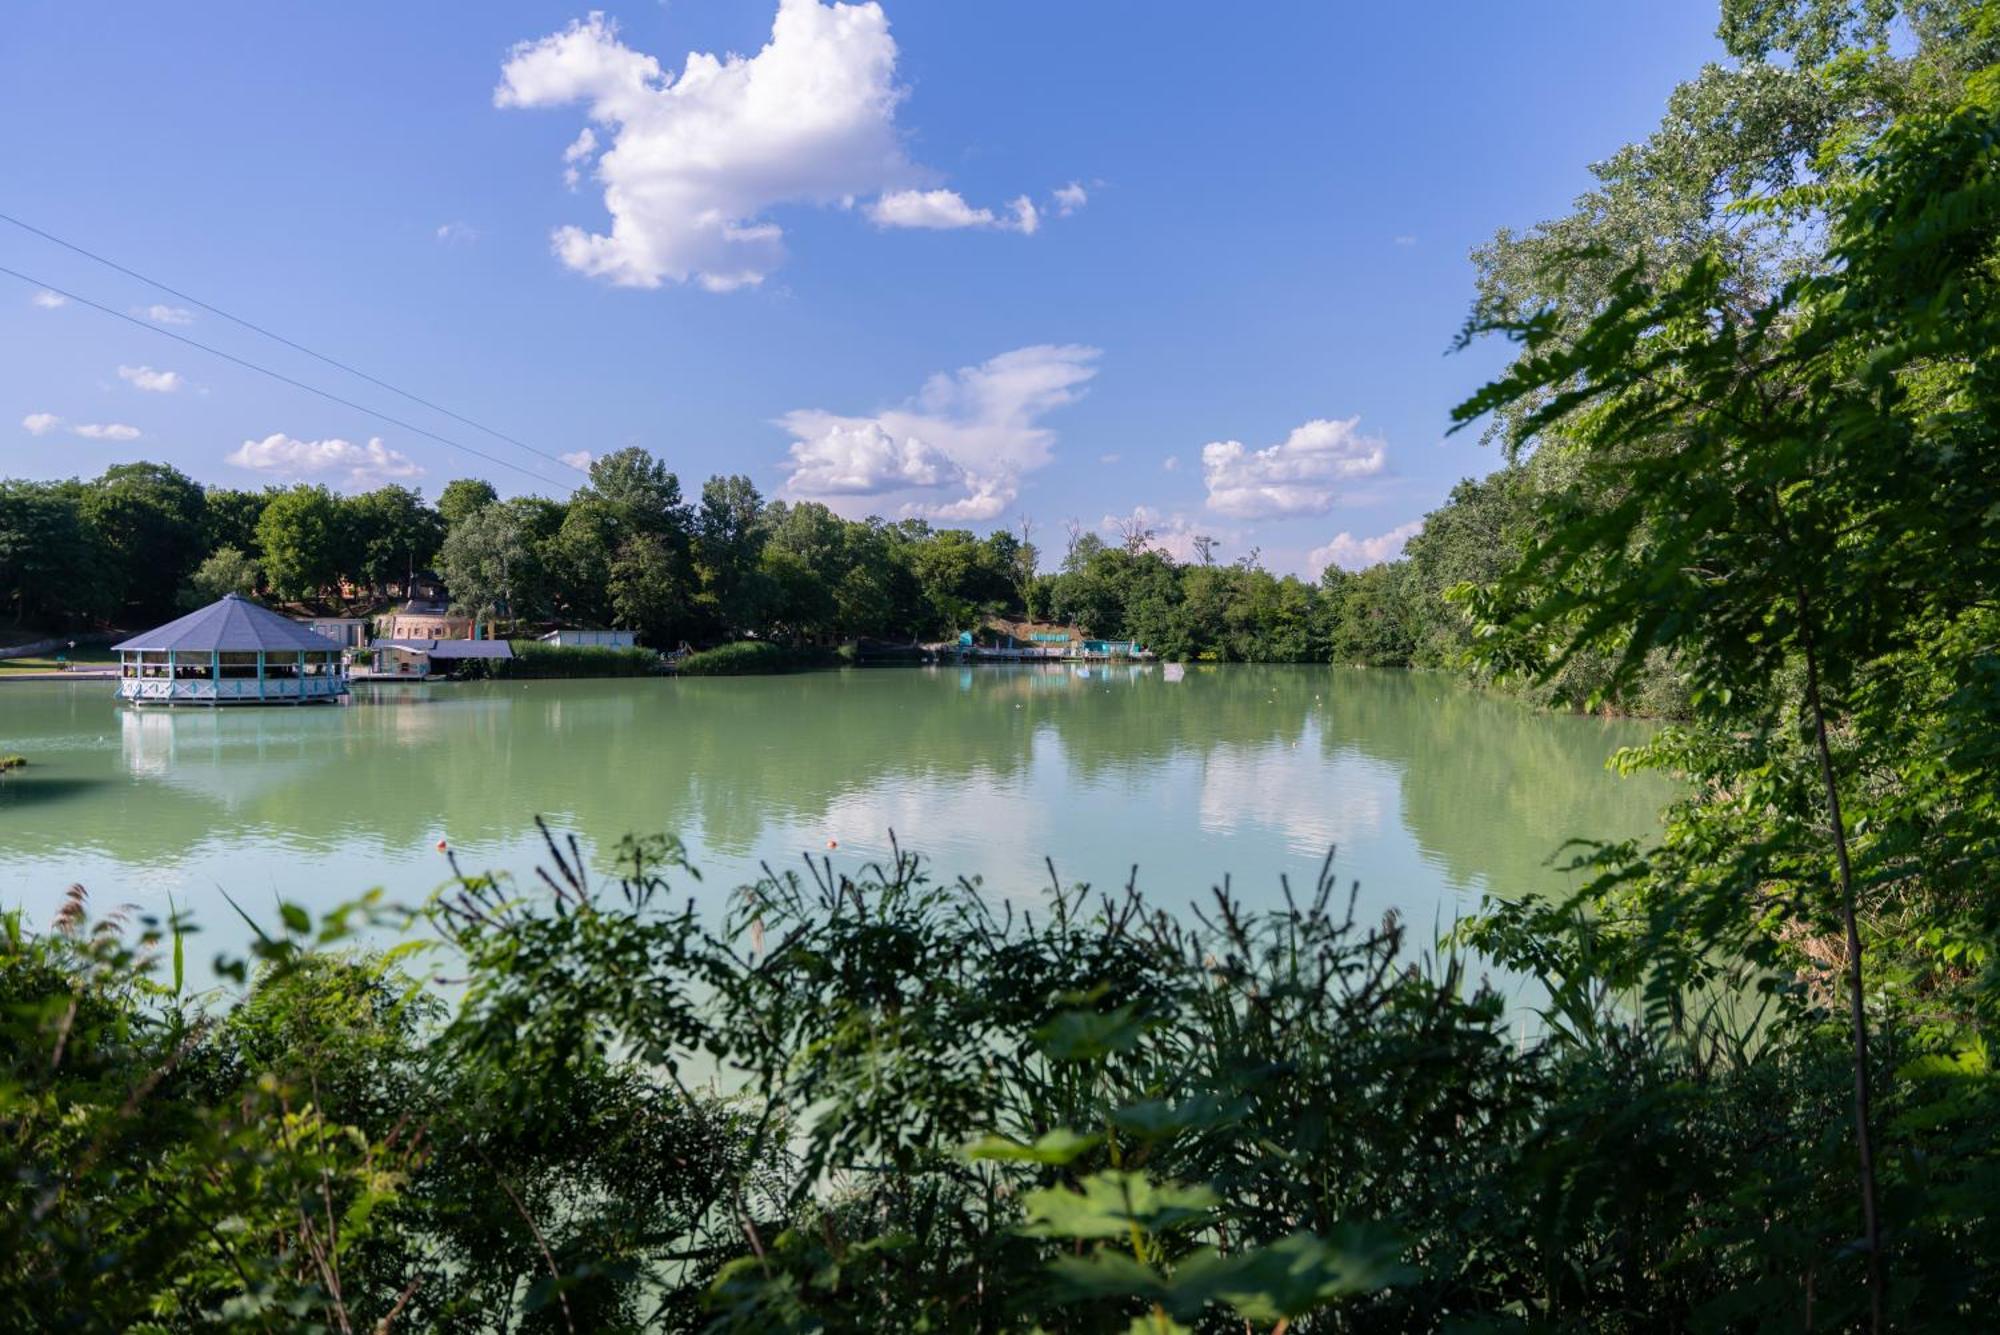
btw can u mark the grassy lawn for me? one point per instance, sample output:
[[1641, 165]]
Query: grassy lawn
[[47, 662]]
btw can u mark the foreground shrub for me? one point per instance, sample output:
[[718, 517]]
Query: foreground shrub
[[942, 1113]]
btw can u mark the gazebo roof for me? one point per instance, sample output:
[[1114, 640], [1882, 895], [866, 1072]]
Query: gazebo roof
[[233, 624]]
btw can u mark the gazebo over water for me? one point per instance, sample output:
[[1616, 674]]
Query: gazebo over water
[[231, 652]]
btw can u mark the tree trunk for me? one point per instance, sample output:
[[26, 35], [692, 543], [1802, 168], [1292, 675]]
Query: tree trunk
[[1857, 1015]]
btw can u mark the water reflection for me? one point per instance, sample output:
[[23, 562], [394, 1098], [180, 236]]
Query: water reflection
[[1432, 791]]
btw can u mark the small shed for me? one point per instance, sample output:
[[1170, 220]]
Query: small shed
[[416, 659], [232, 652], [576, 638]]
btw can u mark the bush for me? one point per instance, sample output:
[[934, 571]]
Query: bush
[[1096, 1118], [747, 657]]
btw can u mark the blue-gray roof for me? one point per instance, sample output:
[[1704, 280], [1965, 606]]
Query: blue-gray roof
[[232, 624]]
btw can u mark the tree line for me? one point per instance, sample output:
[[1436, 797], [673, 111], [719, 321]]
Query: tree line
[[628, 549]]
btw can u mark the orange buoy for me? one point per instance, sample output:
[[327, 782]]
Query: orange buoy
[[441, 845]]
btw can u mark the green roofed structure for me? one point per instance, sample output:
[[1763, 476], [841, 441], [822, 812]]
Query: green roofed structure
[[232, 652]]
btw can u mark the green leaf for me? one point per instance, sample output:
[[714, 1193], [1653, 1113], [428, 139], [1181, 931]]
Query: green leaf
[[1109, 1204], [1058, 1147], [1293, 1276], [1083, 1035], [1157, 1119]]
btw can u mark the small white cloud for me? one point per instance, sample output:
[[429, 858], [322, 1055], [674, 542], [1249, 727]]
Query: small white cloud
[[359, 465], [934, 209], [48, 300], [1070, 198], [581, 150], [40, 424], [1301, 475], [1027, 219], [978, 429], [696, 160], [1406, 240], [1109, 458], [457, 233], [1352, 553], [945, 210], [1171, 463], [154, 382], [168, 314], [578, 459], [105, 431]]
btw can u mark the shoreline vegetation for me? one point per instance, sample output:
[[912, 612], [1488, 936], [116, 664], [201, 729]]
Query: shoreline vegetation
[[1750, 480]]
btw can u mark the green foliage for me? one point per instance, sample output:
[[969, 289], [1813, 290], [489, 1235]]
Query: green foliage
[[484, 554], [749, 657], [304, 541], [145, 522], [1091, 1117], [227, 570]]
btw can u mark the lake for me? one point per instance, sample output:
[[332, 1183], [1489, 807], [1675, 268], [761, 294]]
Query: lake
[[1433, 793]]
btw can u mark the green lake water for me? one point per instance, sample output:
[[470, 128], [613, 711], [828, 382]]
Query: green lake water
[[1433, 793]]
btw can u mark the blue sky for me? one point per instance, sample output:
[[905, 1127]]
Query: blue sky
[[1228, 296]]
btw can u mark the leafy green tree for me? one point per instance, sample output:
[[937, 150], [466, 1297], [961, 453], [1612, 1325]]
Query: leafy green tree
[[729, 542], [226, 571], [394, 532], [647, 589], [642, 492], [1745, 471], [229, 518], [484, 555], [146, 521], [49, 564], [305, 541], [463, 497]]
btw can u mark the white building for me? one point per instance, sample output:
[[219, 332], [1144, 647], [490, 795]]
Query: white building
[[591, 639]]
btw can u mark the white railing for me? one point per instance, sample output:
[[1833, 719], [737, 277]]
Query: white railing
[[230, 690]]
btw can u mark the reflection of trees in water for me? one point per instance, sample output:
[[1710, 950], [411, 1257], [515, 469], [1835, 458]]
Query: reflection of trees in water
[[1492, 788], [1488, 787]]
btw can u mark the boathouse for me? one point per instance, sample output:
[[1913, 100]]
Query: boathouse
[[232, 652], [419, 660], [574, 638]]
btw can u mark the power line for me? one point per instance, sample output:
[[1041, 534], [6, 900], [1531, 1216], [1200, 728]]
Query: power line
[[280, 338], [275, 375]]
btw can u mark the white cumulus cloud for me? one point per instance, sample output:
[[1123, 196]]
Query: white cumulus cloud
[[691, 163], [167, 314], [155, 382], [105, 431], [1352, 553], [944, 210], [1070, 198], [456, 233], [40, 424], [358, 465], [973, 432], [48, 300], [1301, 475], [578, 459]]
